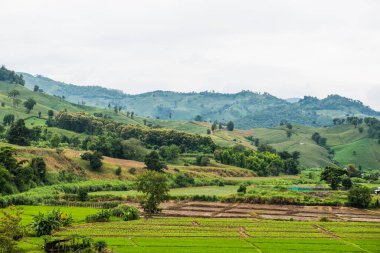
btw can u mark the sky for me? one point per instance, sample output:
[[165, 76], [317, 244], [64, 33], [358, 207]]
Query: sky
[[289, 48]]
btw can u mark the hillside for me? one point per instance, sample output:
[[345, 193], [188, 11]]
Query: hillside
[[345, 140], [247, 109], [46, 102]]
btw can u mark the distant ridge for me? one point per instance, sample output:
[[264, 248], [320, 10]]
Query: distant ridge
[[247, 109]]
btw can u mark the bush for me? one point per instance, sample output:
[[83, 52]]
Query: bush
[[184, 180], [359, 196], [102, 216], [100, 246], [324, 219], [202, 161], [82, 194], [242, 189], [126, 212], [45, 224], [10, 226], [118, 171], [132, 171], [95, 160], [131, 213]]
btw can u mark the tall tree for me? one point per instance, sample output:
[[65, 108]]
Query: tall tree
[[230, 126], [155, 190], [152, 162], [14, 94], [29, 104], [19, 134], [333, 176]]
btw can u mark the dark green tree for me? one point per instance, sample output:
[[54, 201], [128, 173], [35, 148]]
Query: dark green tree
[[230, 126], [155, 190], [8, 119], [95, 160], [50, 113], [29, 104], [359, 196], [152, 162], [333, 176], [18, 133]]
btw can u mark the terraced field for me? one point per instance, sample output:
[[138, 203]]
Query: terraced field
[[232, 235]]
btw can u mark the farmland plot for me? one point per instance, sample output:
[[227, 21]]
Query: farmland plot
[[232, 235]]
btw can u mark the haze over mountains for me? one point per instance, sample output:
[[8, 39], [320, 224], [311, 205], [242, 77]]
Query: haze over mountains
[[247, 109]]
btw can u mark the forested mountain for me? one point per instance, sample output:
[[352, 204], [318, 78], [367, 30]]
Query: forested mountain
[[247, 109]]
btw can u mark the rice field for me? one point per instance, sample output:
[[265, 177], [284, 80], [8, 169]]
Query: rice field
[[231, 235]]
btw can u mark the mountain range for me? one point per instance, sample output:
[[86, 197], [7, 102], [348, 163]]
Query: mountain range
[[246, 109]]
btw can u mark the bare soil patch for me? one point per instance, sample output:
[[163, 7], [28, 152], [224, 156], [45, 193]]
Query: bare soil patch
[[277, 212]]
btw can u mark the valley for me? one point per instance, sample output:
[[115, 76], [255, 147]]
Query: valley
[[245, 189]]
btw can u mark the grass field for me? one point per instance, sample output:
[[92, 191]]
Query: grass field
[[218, 234]]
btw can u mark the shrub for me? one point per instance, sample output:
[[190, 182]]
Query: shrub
[[132, 171], [202, 161], [82, 194], [95, 160], [102, 216], [324, 219], [100, 246], [184, 180], [359, 196], [242, 188], [118, 171], [131, 213], [45, 224], [125, 212], [10, 226]]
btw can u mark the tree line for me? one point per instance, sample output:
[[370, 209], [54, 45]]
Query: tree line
[[264, 162], [85, 123], [17, 176], [11, 76]]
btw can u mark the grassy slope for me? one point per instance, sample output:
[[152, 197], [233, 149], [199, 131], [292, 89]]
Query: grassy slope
[[47, 102], [343, 139]]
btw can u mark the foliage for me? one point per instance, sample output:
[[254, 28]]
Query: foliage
[[126, 212], [29, 104], [262, 162], [82, 194], [242, 188], [84, 123], [155, 190], [202, 160], [346, 182], [45, 224], [230, 126], [8, 119], [19, 134], [118, 171], [11, 76], [102, 216], [319, 139], [183, 180], [15, 177], [152, 162], [133, 149], [169, 152], [359, 196], [95, 159], [333, 176], [10, 224]]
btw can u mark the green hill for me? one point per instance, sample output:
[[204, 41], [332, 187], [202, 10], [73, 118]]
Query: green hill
[[247, 109], [349, 144]]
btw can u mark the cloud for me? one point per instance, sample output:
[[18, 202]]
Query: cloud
[[288, 48]]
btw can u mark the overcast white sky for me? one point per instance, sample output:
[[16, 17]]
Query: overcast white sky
[[289, 48]]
